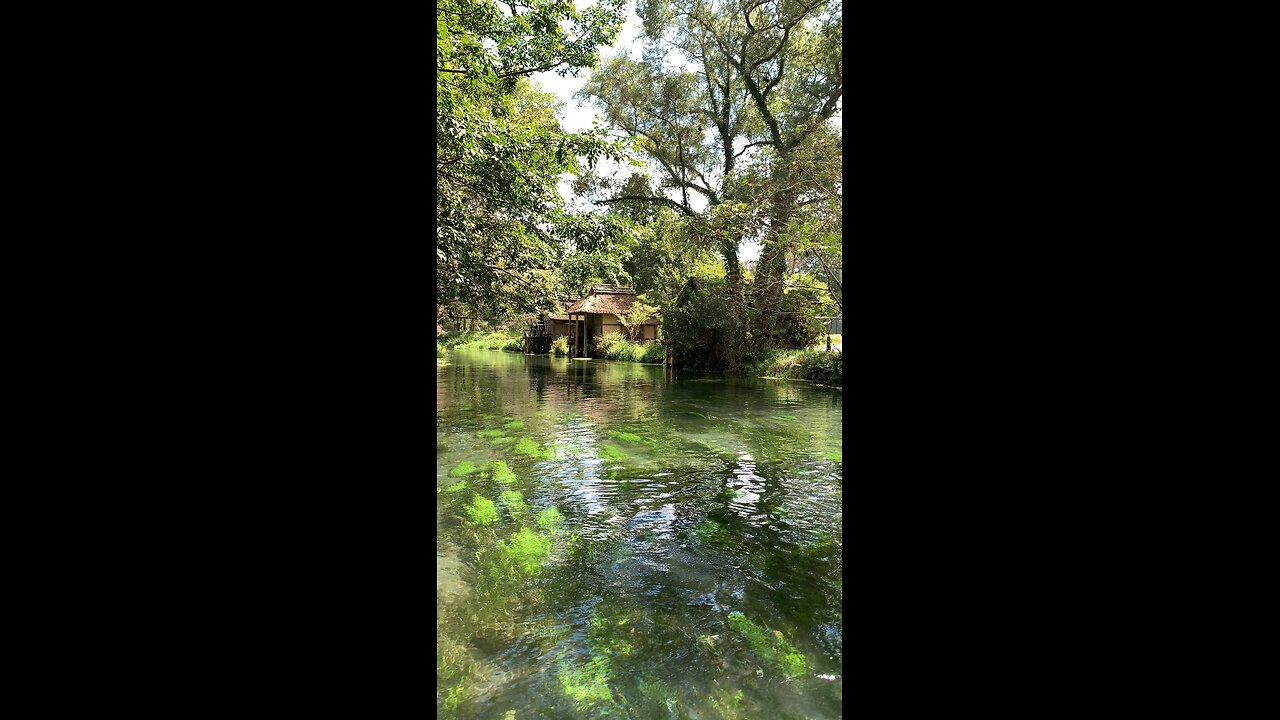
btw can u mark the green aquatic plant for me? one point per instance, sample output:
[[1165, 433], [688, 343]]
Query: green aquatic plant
[[834, 456], [612, 454], [550, 520], [462, 469], [525, 446], [455, 697], [514, 425], [491, 433], [502, 474], [727, 703], [482, 511], [589, 684], [772, 647], [709, 530], [629, 437], [513, 501], [787, 418], [527, 550], [457, 487], [657, 692]]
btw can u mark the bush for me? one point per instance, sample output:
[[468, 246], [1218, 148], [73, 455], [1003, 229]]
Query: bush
[[713, 328], [441, 350], [560, 346], [482, 340], [654, 353], [817, 366]]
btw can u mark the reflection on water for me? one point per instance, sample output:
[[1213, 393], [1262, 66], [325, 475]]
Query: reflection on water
[[618, 540]]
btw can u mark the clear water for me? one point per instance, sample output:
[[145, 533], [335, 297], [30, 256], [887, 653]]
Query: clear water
[[683, 499]]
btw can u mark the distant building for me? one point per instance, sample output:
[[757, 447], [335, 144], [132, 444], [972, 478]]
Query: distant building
[[586, 319]]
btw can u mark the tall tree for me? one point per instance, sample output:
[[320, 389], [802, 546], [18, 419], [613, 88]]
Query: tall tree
[[786, 56], [503, 234]]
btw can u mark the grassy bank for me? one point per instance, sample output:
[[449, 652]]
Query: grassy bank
[[480, 340], [817, 366], [615, 347]]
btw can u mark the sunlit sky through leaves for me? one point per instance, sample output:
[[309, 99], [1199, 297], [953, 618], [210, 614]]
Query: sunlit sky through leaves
[[575, 117]]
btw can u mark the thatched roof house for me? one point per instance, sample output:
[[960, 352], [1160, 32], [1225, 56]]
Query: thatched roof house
[[593, 316]]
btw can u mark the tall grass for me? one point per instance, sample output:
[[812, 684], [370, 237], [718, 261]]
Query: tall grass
[[817, 366], [481, 340], [615, 347]]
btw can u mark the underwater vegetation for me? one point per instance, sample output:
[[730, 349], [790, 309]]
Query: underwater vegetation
[[462, 469], [834, 455], [482, 511], [550, 520], [502, 440], [712, 532], [527, 550], [772, 647], [629, 437], [457, 487], [491, 433], [502, 474], [513, 501], [589, 684], [612, 453], [525, 446], [514, 425]]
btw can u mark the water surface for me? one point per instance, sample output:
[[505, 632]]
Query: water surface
[[634, 542]]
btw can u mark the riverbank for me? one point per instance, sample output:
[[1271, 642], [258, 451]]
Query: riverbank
[[815, 366]]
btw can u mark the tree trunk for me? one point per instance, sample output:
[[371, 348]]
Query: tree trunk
[[771, 270]]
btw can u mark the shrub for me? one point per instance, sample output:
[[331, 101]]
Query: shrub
[[560, 346], [498, 340], [812, 365], [654, 353], [441, 350]]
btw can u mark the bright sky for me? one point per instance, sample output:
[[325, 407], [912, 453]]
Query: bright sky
[[575, 117]]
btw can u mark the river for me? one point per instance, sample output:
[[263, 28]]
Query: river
[[618, 540]]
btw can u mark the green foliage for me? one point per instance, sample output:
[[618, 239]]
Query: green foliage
[[550, 520], [711, 531], [491, 433], [589, 684], [612, 454], [615, 347], [441, 350], [502, 474], [482, 511], [630, 437], [633, 322], [475, 340], [526, 550], [560, 346], [513, 500], [514, 425], [503, 232], [835, 456], [457, 487], [817, 366], [525, 446], [462, 469], [772, 647], [654, 353]]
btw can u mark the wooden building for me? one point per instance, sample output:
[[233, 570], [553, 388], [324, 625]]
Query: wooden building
[[586, 319]]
